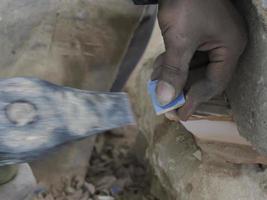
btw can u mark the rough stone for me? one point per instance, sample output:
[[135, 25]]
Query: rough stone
[[233, 153], [248, 92]]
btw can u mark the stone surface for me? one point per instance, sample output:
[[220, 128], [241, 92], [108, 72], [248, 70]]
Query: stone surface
[[184, 172], [230, 152], [21, 187], [75, 43], [248, 92]]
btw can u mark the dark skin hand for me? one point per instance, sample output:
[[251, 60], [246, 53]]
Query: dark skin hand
[[188, 26]]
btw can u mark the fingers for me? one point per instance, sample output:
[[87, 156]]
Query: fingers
[[200, 92], [171, 68], [175, 62], [219, 72]]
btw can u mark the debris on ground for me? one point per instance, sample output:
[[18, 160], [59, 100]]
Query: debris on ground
[[114, 174]]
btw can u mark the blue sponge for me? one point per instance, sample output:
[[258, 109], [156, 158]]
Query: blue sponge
[[176, 103]]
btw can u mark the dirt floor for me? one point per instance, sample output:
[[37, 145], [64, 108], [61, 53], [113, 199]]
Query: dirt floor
[[115, 173]]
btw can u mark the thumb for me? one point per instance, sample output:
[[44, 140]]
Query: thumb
[[165, 92], [171, 81], [172, 73]]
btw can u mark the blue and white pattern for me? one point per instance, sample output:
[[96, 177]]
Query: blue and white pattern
[[36, 116]]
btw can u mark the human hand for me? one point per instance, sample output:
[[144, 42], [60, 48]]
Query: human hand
[[187, 26]]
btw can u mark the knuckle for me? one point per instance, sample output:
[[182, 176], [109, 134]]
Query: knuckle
[[175, 75], [173, 70]]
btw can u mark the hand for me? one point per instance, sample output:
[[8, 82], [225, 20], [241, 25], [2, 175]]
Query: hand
[[187, 26]]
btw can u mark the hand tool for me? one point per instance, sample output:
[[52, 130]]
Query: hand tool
[[36, 116]]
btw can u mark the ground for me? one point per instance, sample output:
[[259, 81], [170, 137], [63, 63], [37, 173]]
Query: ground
[[115, 172]]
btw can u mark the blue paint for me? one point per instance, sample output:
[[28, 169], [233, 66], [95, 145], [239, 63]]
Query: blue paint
[[159, 109]]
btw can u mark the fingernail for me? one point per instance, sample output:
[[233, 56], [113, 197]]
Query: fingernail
[[165, 92]]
